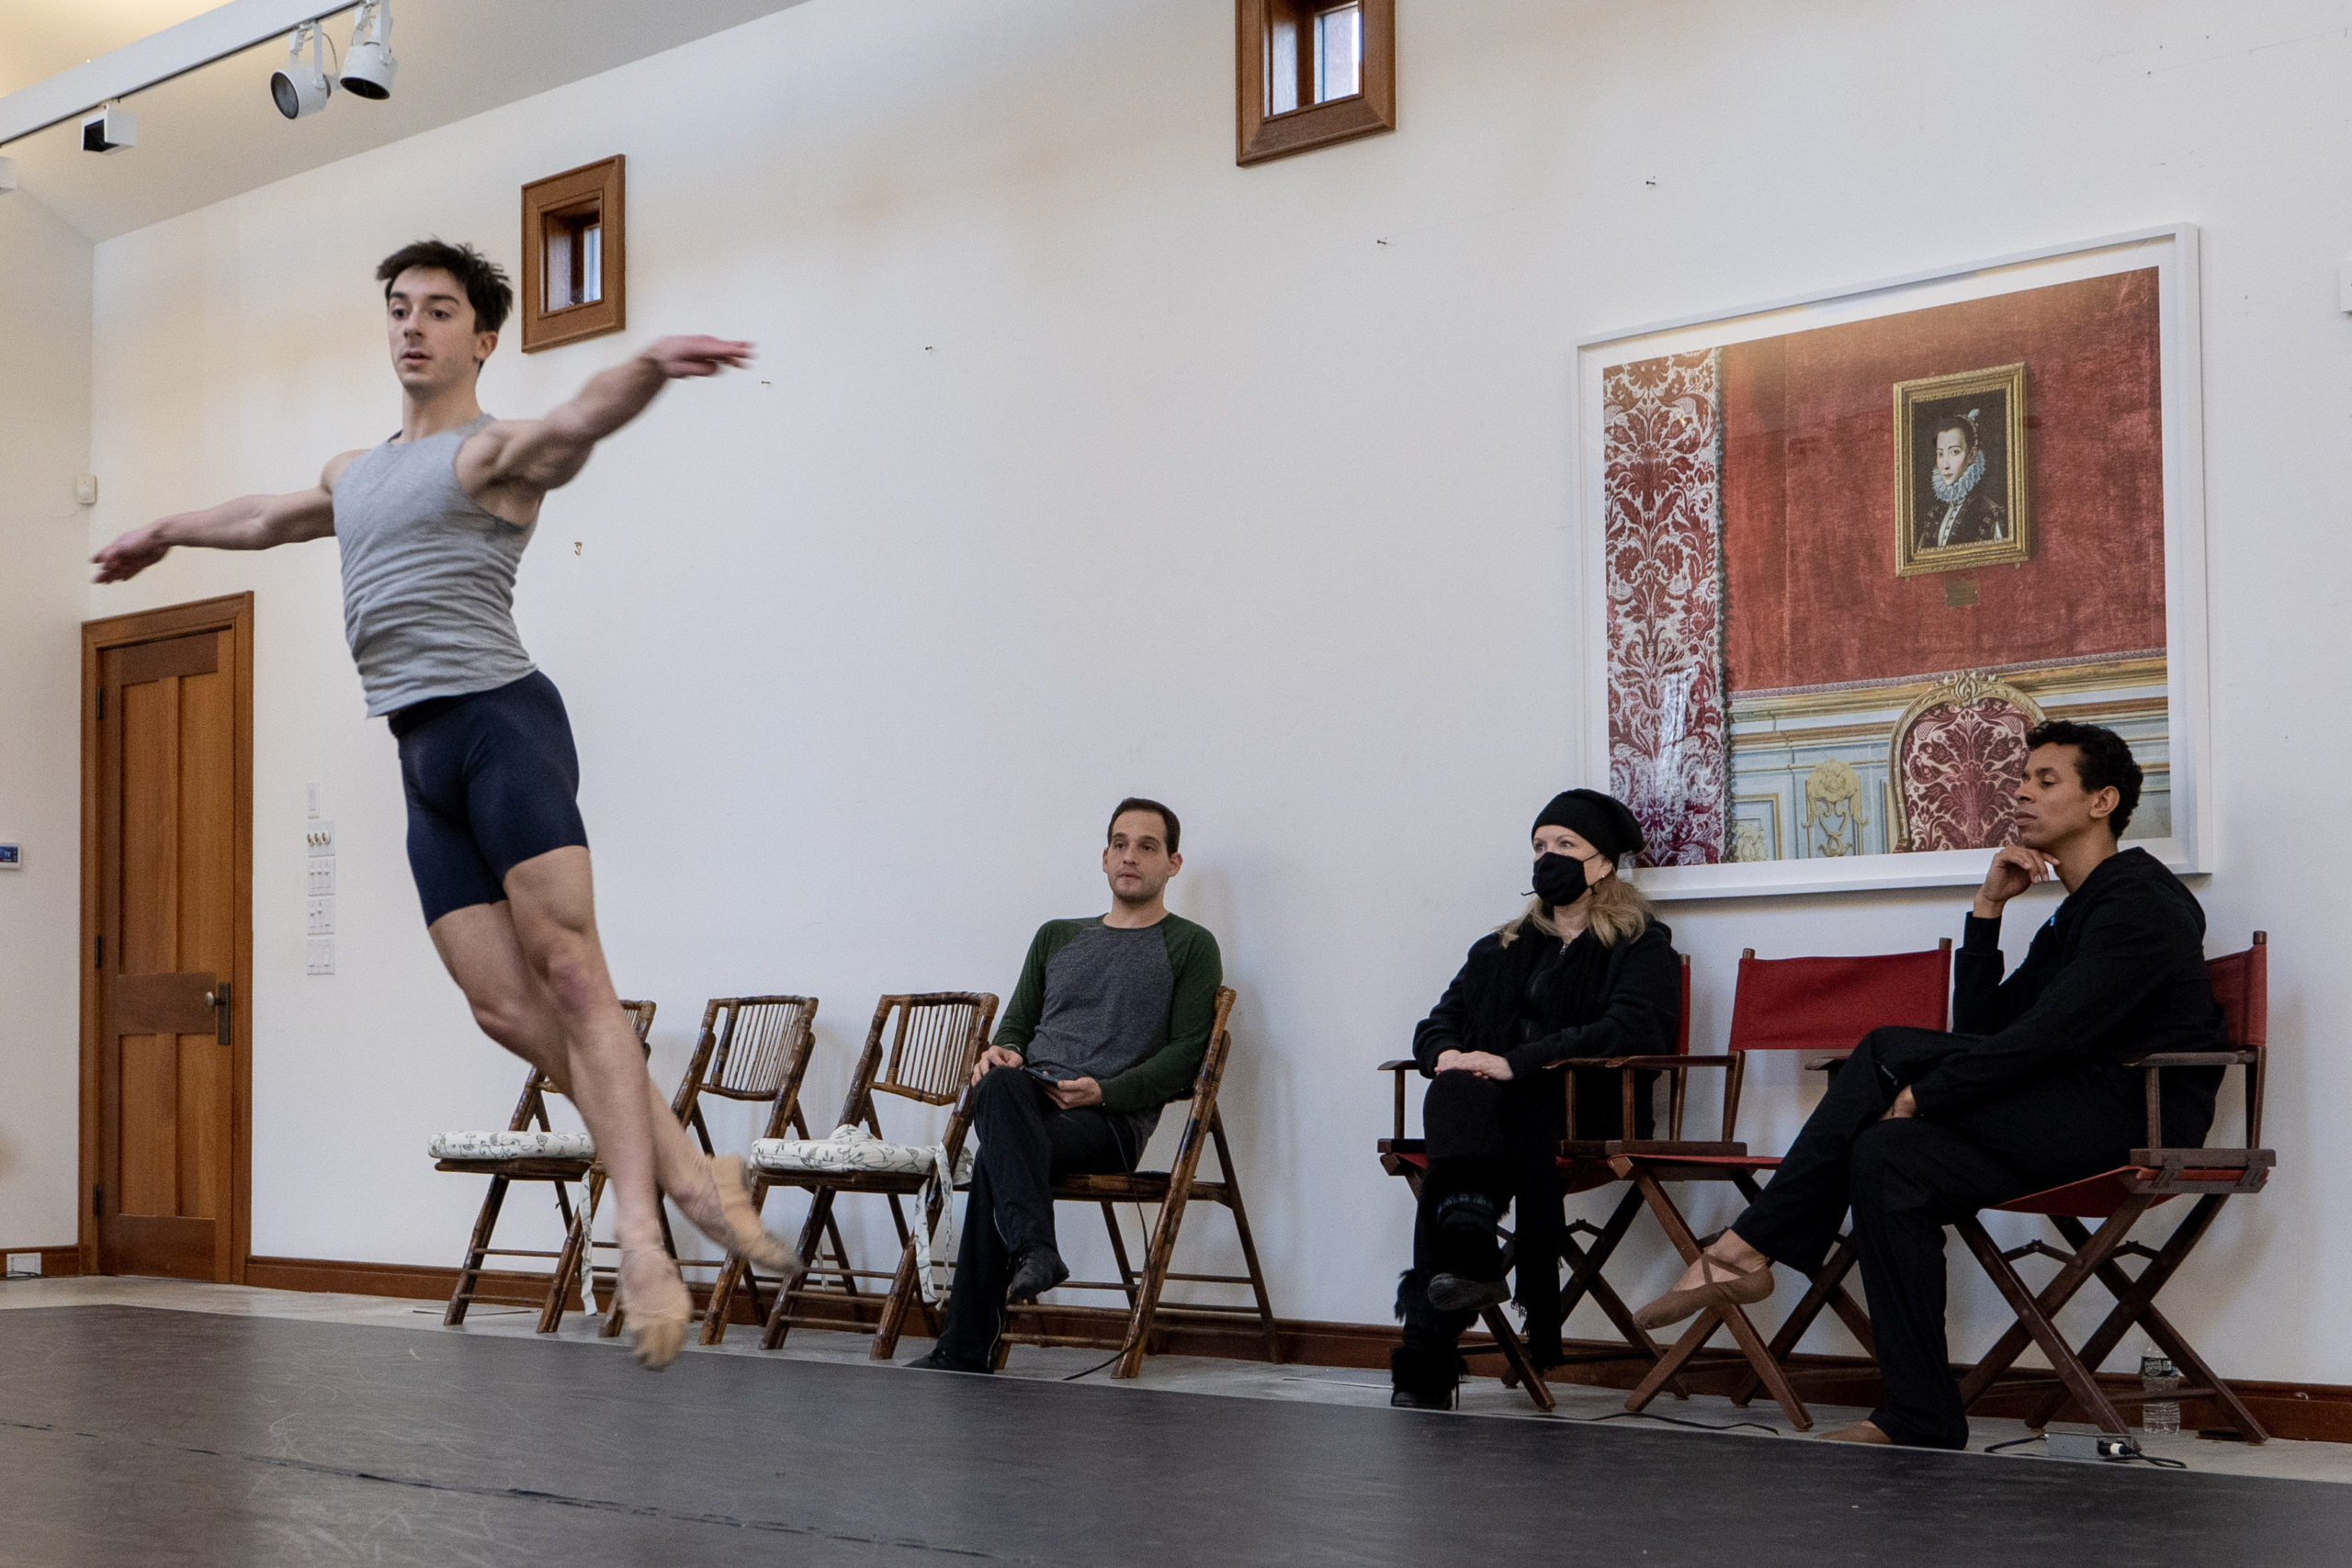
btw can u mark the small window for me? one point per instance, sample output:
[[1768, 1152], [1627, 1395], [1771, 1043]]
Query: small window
[[1313, 73], [572, 256]]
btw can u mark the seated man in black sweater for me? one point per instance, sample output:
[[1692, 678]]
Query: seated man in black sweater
[[1109, 1024], [1919, 1128]]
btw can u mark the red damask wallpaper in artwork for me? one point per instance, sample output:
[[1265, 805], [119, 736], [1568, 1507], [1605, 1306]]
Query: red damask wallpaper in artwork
[[1809, 595], [1666, 736]]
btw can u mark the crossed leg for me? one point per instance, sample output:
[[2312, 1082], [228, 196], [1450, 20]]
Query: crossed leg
[[533, 970]]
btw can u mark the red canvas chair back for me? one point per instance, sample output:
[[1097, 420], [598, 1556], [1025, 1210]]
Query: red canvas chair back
[[2242, 984], [1829, 1004]]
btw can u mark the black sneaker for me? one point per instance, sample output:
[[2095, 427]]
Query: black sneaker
[[941, 1361], [1424, 1380], [1039, 1270]]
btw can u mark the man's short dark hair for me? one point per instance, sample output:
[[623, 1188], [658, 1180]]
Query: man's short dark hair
[[1173, 829], [2102, 758], [485, 281]]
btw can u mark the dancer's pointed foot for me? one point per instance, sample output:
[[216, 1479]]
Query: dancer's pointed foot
[[656, 1305], [721, 1209], [1711, 1283]]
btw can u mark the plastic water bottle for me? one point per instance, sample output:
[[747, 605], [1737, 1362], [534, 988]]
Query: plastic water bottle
[[2158, 1380]]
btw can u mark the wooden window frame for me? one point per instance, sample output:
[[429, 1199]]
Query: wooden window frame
[[1262, 136], [601, 183]]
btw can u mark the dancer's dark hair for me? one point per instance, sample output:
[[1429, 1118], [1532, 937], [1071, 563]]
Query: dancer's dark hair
[[2101, 758], [1175, 829], [486, 285]]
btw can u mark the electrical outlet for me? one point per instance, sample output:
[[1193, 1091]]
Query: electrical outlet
[[318, 838], [21, 1264], [321, 955], [318, 917], [318, 879]]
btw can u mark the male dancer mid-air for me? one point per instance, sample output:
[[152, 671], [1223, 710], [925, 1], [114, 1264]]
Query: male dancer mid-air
[[431, 525]]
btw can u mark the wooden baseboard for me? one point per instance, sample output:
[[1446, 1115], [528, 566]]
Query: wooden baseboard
[[2310, 1412], [56, 1262]]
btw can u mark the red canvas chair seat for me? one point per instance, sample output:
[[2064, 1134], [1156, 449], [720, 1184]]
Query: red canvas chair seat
[[2119, 1199], [1820, 1005]]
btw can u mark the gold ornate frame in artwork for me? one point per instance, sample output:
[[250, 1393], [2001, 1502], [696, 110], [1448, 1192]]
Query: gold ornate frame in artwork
[[1909, 559]]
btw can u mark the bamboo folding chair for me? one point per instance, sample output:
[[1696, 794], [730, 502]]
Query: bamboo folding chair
[[2118, 1199], [572, 1162], [1584, 1166], [932, 1048], [1821, 1006], [1171, 1189]]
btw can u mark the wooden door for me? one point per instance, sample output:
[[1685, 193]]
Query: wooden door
[[166, 815]]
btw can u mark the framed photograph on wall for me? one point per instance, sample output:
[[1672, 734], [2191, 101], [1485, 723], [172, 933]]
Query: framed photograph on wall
[[1843, 551]]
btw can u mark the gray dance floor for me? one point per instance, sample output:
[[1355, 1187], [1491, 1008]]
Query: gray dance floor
[[134, 1436]]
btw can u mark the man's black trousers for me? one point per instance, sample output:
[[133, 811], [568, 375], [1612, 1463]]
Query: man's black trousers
[[1905, 1180], [1026, 1141]]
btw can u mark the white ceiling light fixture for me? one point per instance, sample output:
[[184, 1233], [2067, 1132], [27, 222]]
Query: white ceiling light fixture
[[369, 69], [110, 129], [302, 88]]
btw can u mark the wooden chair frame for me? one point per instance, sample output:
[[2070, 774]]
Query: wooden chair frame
[[1650, 1171], [2119, 1199], [1171, 1189], [938, 1034], [531, 1112], [1584, 1166]]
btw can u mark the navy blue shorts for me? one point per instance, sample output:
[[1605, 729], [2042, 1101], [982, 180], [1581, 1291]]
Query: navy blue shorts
[[492, 780]]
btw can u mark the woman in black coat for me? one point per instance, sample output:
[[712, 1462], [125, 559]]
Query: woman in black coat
[[1585, 971]]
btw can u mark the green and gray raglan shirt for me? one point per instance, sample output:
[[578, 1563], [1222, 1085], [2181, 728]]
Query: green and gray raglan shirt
[[1130, 1009]]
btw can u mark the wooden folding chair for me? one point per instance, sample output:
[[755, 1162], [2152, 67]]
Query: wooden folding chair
[[573, 1161], [1823, 1006], [1584, 1166], [936, 1038], [2118, 1200], [1171, 1189]]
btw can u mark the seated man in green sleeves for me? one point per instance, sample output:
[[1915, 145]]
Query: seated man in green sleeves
[[1108, 1024]]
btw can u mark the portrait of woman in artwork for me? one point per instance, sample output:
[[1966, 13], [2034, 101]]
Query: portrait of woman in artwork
[[1962, 507], [1585, 972]]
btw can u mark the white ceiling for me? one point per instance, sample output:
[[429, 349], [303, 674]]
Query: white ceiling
[[213, 133]]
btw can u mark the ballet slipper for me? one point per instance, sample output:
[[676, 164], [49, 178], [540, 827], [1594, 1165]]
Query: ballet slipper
[[1860, 1432], [1721, 1286], [722, 1211], [654, 1304]]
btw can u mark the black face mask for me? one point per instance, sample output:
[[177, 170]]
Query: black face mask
[[1559, 879]]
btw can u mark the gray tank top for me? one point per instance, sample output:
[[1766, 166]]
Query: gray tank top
[[428, 576]]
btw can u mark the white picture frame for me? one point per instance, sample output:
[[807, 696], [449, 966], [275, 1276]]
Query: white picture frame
[[2172, 251]]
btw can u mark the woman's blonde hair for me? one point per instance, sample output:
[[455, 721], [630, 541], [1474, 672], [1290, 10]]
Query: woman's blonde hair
[[1616, 911]]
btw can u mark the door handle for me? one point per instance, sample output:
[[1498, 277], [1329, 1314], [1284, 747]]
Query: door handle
[[217, 1001]]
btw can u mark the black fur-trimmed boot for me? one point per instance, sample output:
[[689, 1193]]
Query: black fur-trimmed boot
[[1469, 1254], [1424, 1380]]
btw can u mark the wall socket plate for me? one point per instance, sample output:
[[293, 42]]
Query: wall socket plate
[[24, 1263], [318, 917], [320, 956], [318, 880]]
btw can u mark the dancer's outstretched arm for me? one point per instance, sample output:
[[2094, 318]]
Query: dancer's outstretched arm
[[515, 462], [248, 522]]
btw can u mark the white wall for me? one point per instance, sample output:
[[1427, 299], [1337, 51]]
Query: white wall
[[44, 443], [1080, 462]]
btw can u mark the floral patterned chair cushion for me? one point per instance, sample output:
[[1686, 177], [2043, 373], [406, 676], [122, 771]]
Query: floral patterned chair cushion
[[853, 1149], [503, 1144]]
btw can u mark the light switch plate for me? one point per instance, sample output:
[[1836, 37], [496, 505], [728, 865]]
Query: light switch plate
[[318, 917], [319, 877], [318, 838], [321, 955]]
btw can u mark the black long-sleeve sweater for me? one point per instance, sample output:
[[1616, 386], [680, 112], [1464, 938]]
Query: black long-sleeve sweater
[[2117, 972]]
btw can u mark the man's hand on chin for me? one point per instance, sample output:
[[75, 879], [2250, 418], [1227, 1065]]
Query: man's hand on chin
[[1071, 1093]]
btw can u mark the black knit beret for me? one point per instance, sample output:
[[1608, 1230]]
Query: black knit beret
[[1601, 821]]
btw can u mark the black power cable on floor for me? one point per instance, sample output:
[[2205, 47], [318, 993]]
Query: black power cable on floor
[[1678, 1421], [1095, 1368], [2134, 1457]]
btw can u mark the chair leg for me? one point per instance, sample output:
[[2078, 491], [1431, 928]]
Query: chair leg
[[1827, 1289], [1156, 1262], [1119, 1251], [567, 1263], [2035, 1320], [1249, 1247], [477, 1251], [1587, 1277], [1751, 1344], [903, 1286], [820, 1209]]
